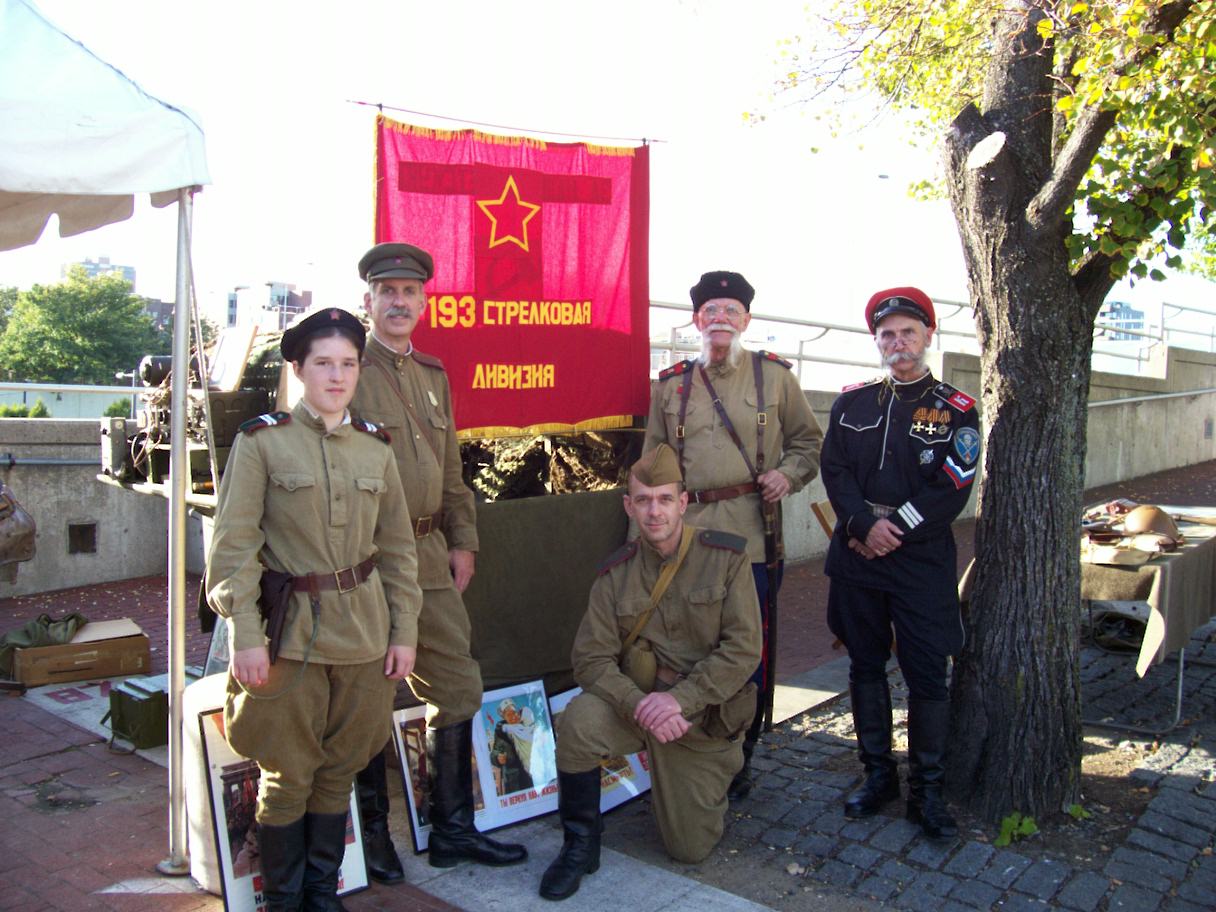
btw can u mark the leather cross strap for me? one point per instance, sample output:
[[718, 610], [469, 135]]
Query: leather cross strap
[[345, 580], [727, 423], [660, 587], [392, 384]]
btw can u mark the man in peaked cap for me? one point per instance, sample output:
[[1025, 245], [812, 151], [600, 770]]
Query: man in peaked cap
[[745, 437], [898, 462], [685, 598], [406, 392]]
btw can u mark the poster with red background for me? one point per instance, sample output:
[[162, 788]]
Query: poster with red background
[[539, 306]]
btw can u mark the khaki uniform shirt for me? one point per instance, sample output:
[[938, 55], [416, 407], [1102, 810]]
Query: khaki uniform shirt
[[431, 477], [706, 627], [301, 500], [792, 439]]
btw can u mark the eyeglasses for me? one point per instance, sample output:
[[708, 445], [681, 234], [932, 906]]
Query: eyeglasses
[[730, 311]]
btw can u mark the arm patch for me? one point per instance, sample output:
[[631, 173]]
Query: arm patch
[[727, 541], [619, 556], [368, 427], [273, 419], [675, 370]]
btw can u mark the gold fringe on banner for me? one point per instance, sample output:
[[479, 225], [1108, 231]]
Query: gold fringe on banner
[[609, 423]]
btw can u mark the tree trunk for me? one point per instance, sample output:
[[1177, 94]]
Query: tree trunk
[[1016, 714]]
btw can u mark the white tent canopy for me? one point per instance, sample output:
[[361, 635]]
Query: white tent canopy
[[79, 138]]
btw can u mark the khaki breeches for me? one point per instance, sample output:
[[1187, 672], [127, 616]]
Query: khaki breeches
[[445, 676], [688, 777], [311, 741]]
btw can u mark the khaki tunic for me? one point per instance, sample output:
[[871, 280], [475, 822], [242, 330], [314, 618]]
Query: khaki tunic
[[707, 628], [792, 439], [301, 500], [445, 675]]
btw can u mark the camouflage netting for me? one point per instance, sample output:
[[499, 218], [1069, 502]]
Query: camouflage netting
[[531, 466]]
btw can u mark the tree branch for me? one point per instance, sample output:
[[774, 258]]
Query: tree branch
[[1047, 208], [1093, 281]]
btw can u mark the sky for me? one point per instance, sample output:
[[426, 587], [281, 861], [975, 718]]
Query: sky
[[291, 156]]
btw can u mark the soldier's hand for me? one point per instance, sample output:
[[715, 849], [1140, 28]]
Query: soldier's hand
[[251, 666], [773, 485], [862, 549], [883, 537], [399, 662], [671, 730], [462, 563], [655, 709]]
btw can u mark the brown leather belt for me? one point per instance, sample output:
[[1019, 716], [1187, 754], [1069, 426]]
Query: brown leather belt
[[668, 676], [424, 525], [345, 580], [714, 494]]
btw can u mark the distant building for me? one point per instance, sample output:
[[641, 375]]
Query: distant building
[[161, 312], [281, 304], [1119, 315], [100, 267]]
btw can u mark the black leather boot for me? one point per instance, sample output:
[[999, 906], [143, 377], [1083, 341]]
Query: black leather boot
[[454, 837], [325, 841], [741, 786], [383, 865], [872, 724], [282, 851], [928, 728], [579, 806]]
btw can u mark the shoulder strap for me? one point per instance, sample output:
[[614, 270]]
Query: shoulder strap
[[423, 429], [660, 587], [761, 415]]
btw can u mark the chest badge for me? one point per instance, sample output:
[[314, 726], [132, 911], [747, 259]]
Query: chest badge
[[926, 457], [434, 401]]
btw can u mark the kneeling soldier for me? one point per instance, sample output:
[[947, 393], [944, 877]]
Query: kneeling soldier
[[664, 653]]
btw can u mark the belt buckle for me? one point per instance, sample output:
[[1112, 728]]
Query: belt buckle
[[354, 579], [422, 526]]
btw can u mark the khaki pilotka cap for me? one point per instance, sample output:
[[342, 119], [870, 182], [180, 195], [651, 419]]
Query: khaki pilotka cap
[[396, 261], [658, 467]]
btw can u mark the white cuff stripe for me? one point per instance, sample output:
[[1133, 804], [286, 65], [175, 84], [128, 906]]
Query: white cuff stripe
[[910, 515]]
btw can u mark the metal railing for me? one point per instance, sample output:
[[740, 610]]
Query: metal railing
[[947, 310]]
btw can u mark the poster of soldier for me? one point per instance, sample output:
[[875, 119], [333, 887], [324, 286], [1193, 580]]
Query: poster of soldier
[[233, 784], [409, 736], [621, 778], [516, 753]]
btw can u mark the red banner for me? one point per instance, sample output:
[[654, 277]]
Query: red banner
[[539, 306]]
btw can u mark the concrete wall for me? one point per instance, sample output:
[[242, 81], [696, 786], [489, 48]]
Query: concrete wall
[[131, 537], [1125, 441]]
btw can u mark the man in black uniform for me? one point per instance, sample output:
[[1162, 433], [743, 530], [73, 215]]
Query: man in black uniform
[[899, 457]]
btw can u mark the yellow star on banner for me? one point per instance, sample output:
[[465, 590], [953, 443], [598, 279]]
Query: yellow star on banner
[[512, 216]]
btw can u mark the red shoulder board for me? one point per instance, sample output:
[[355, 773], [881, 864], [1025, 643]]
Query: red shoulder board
[[619, 556], [675, 370], [725, 540], [957, 398], [428, 360], [368, 428], [776, 359], [853, 386], [264, 421]]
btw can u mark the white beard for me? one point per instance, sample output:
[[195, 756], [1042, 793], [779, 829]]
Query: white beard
[[733, 356]]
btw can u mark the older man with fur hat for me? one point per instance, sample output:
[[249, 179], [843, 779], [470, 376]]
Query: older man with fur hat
[[663, 655], [898, 463], [745, 438], [406, 393]]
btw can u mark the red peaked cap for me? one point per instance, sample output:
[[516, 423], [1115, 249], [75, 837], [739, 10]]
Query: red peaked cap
[[905, 300]]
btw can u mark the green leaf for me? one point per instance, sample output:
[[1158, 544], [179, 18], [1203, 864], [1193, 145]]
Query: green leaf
[[1078, 813]]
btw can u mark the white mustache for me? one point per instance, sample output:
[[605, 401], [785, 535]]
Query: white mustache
[[720, 327]]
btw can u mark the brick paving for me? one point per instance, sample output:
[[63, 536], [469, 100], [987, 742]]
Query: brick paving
[[85, 827]]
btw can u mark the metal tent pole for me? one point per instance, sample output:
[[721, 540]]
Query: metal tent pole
[[178, 861]]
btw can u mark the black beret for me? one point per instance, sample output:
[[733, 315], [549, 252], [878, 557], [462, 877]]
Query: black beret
[[722, 285], [396, 261], [297, 334]]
